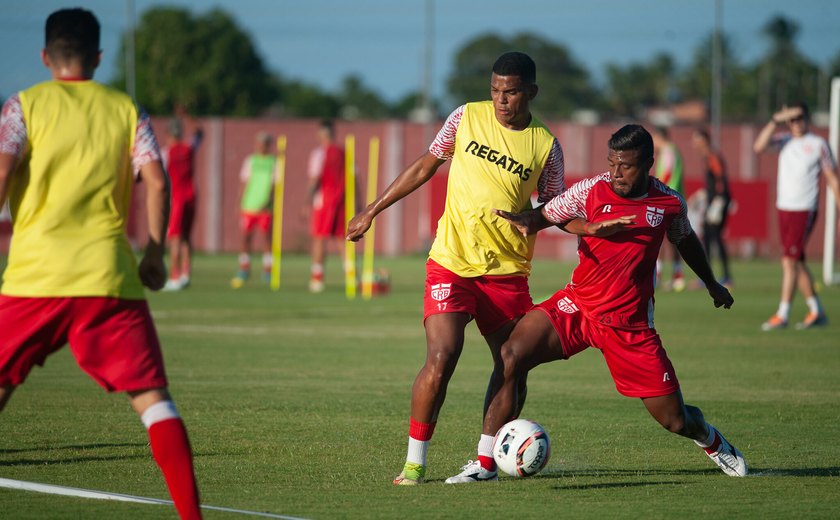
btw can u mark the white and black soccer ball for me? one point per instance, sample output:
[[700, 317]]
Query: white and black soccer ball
[[521, 448]]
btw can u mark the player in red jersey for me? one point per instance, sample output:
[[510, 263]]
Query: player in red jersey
[[71, 149], [326, 191], [179, 161], [609, 302]]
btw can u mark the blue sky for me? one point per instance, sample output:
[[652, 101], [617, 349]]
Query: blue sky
[[322, 41]]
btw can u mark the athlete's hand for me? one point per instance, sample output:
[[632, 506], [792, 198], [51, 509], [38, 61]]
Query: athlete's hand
[[528, 222], [153, 270], [358, 226], [720, 295], [606, 228], [786, 114]]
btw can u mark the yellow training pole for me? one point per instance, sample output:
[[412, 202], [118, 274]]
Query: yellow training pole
[[277, 220], [373, 170], [349, 213]]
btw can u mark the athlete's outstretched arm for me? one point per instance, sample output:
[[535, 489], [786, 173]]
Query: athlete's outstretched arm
[[152, 268], [417, 174], [694, 255], [533, 220]]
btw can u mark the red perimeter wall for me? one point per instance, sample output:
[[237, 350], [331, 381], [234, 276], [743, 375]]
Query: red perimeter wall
[[408, 226]]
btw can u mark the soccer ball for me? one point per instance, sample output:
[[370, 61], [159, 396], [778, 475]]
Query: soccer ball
[[521, 448]]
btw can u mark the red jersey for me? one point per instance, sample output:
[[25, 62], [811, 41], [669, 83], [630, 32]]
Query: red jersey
[[614, 282], [179, 165], [332, 176]]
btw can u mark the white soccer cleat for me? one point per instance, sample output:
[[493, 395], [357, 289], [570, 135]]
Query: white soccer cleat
[[172, 285], [727, 457], [316, 286], [473, 472]]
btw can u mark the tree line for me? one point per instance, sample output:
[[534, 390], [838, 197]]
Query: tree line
[[209, 66]]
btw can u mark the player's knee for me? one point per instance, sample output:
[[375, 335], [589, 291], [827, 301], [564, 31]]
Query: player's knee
[[513, 362], [674, 423]]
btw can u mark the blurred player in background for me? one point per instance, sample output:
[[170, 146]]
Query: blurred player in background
[[71, 150], [609, 302], [802, 157], [669, 169], [326, 191], [259, 170], [717, 198], [179, 161], [478, 266]]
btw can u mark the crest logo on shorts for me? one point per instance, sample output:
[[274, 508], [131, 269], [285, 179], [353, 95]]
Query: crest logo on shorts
[[654, 216], [567, 305], [440, 291]]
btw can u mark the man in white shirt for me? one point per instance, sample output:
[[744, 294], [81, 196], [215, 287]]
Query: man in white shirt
[[802, 157]]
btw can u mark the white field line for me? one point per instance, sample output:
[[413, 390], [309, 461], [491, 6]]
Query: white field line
[[104, 495]]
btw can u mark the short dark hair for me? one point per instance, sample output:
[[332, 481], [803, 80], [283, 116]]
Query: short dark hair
[[661, 130], [703, 132], [806, 113], [516, 64], [72, 34], [633, 137], [328, 125]]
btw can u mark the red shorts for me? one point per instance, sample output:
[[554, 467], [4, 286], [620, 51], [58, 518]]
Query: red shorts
[[795, 227], [637, 361], [181, 219], [491, 300], [328, 221], [248, 222], [113, 340]]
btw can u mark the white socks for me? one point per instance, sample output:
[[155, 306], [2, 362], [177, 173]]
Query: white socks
[[417, 451], [485, 445]]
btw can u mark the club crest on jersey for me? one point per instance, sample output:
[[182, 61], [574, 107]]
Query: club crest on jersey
[[654, 216], [566, 305], [440, 291]]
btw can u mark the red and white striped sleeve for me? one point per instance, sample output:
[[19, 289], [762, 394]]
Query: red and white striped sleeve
[[571, 204], [145, 148], [553, 179], [13, 134], [826, 159], [680, 226], [443, 147]]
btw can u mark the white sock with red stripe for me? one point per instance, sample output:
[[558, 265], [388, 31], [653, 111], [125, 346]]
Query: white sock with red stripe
[[485, 452]]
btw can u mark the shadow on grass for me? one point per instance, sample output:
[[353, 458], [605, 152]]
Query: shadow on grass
[[70, 459], [75, 447], [610, 485], [795, 472], [832, 471]]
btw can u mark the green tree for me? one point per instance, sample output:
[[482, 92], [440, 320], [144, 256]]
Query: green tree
[[784, 74], [740, 87], [204, 63], [636, 86], [564, 83], [358, 101], [299, 99]]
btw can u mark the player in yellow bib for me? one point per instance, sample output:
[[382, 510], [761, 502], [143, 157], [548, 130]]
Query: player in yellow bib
[[71, 150], [479, 264]]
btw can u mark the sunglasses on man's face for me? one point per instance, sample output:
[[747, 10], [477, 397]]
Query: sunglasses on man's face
[[797, 119]]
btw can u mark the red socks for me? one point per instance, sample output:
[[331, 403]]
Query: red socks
[[171, 450], [420, 431]]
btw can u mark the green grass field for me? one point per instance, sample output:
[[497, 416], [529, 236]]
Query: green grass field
[[297, 404]]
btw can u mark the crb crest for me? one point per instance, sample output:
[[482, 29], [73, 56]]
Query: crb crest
[[441, 291], [654, 216], [566, 305]]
